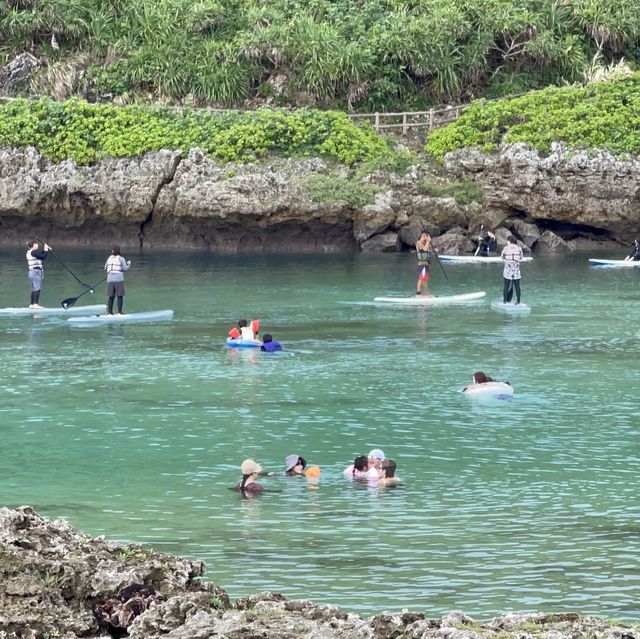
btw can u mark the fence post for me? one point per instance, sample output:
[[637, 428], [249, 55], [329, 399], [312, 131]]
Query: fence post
[[376, 124], [430, 119], [404, 124]]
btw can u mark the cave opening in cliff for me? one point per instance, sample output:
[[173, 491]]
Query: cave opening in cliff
[[568, 231]]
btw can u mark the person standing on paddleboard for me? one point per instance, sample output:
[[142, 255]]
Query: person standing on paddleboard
[[35, 259], [511, 256], [115, 266], [423, 253]]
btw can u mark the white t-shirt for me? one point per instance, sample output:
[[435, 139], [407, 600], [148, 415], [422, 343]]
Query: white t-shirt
[[371, 474], [246, 333]]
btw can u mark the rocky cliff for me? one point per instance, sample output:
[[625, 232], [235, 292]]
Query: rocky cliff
[[58, 582], [171, 199], [567, 190]]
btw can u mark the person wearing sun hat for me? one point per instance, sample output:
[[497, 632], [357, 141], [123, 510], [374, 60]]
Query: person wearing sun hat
[[375, 457], [250, 471], [294, 465]]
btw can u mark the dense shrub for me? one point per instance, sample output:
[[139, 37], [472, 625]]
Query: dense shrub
[[330, 189], [462, 192], [87, 132], [603, 115], [368, 54]]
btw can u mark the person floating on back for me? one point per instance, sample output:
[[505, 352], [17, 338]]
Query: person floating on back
[[269, 344], [423, 253], [35, 259], [115, 266], [635, 252], [511, 256]]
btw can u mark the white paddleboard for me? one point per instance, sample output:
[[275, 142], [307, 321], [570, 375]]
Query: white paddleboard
[[509, 307], [148, 316], [475, 259], [53, 310], [616, 263], [431, 300]]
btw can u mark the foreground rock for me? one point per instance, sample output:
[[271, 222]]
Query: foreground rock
[[57, 582]]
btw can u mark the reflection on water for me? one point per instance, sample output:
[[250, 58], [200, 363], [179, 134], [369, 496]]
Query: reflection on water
[[137, 432]]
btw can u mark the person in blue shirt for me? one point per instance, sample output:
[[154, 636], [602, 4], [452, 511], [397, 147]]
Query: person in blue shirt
[[269, 344]]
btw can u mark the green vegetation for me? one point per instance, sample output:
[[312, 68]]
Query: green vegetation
[[329, 189], [462, 192], [87, 132], [604, 115], [130, 552], [365, 54]]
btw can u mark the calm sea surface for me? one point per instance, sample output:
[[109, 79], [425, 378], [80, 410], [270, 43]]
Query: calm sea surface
[[137, 432]]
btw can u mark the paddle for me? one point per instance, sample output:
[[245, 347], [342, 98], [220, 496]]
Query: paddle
[[479, 240], [435, 253], [70, 301], [87, 286]]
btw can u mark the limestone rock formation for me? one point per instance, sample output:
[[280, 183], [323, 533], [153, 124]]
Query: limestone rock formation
[[583, 188], [171, 199], [58, 582]]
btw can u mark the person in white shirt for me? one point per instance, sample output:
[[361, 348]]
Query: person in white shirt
[[115, 267], [360, 469]]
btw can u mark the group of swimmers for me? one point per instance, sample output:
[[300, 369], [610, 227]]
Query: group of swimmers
[[374, 467], [248, 332]]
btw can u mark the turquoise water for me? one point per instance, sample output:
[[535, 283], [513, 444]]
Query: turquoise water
[[137, 432]]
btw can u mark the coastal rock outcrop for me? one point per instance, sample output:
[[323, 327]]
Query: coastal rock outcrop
[[188, 200], [587, 189], [58, 582]]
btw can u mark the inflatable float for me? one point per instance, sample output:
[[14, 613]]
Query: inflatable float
[[148, 316], [238, 342], [431, 300], [53, 311], [497, 390], [475, 259], [510, 307], [614, 263]]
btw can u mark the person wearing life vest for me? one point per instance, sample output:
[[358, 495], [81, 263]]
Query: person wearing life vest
[[635, 252], [115, 266], [511, 256], [423, 253], [35, 258]]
